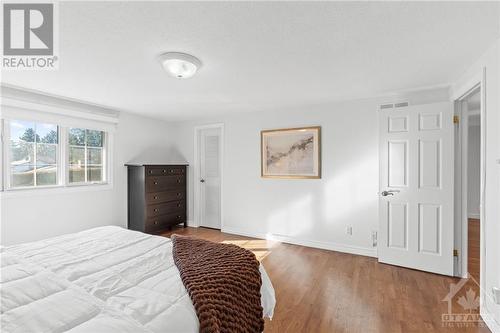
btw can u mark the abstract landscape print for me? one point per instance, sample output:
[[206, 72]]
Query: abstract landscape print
[[291, 153]]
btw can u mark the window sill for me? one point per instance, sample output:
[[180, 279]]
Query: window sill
[[14, 193]]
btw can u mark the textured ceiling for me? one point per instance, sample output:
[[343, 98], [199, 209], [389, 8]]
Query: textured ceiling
[[259, 55]]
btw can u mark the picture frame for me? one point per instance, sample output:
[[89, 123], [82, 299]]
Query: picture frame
[[291, 153]]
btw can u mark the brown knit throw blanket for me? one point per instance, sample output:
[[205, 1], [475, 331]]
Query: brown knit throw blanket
[[223, 281]]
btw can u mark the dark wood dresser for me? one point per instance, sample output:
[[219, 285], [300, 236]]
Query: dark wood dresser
[[156, 196]]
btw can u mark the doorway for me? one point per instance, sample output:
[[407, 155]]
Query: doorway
[[469, 183], [473, 183], [208, 176]]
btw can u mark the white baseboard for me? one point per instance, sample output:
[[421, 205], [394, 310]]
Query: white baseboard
[[489, 320], [363, 251], [191, 224], [473, 216], [243, 233]]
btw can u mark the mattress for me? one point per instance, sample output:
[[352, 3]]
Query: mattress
[[106, 279]]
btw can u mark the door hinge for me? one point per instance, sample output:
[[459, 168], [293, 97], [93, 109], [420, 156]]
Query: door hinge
[[456, 119], [455, 253]]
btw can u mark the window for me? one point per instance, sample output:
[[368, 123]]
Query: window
[[39, 154], [85, 155], [33, 154]]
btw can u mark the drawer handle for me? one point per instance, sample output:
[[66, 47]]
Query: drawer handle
[[156, 210], [172, 171], [178, 205], [150, 171], [156, 183], [178, 216], [178, 194], [155, 222], [156, 197], [178, 180]]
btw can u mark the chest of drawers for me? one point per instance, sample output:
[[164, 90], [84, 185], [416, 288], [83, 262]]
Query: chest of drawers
[[156, 196]]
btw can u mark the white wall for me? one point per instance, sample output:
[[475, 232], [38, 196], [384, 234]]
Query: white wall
[[473, 171], [491, 221], [34, 216], [310, 212]]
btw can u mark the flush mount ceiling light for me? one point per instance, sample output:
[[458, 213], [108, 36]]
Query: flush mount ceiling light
[[179, 65]]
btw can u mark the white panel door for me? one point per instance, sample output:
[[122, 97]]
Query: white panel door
[[210, 178], [416, 187]]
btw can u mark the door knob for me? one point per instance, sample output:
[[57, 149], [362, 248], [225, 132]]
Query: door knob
[[202, 180], [390, 192]]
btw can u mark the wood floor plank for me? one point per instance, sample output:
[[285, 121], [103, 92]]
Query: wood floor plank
[[325, 291], [474, 230]]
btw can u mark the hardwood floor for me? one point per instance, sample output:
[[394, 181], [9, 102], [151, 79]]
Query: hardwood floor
[[326, 291], [474, 248]]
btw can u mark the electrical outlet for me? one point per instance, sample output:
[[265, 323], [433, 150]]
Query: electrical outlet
[[348, 230], [374, 238]]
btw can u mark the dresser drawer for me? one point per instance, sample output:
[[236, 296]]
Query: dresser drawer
[[159, 183], [164, 221], [164, 171], [157, 197], [165, 208]]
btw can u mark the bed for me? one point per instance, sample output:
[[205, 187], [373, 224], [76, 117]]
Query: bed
[[105, 279]]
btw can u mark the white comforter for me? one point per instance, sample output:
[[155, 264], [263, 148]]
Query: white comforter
[[105, 279]]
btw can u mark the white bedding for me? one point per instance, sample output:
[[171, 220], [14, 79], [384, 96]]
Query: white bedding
[[106, 279]]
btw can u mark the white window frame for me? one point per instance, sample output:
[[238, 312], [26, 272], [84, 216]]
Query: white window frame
[[105, 172], [62, 162], [7, 167]]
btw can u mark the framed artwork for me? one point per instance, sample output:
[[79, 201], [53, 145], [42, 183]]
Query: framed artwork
[[291, 153]]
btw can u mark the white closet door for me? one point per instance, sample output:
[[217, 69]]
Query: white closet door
[[210, 178]]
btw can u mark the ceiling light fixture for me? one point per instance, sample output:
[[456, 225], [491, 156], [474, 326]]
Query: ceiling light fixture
[[179, 65]]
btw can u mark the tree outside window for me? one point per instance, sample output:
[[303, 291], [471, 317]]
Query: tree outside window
[[85, 155], [33, 154]]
